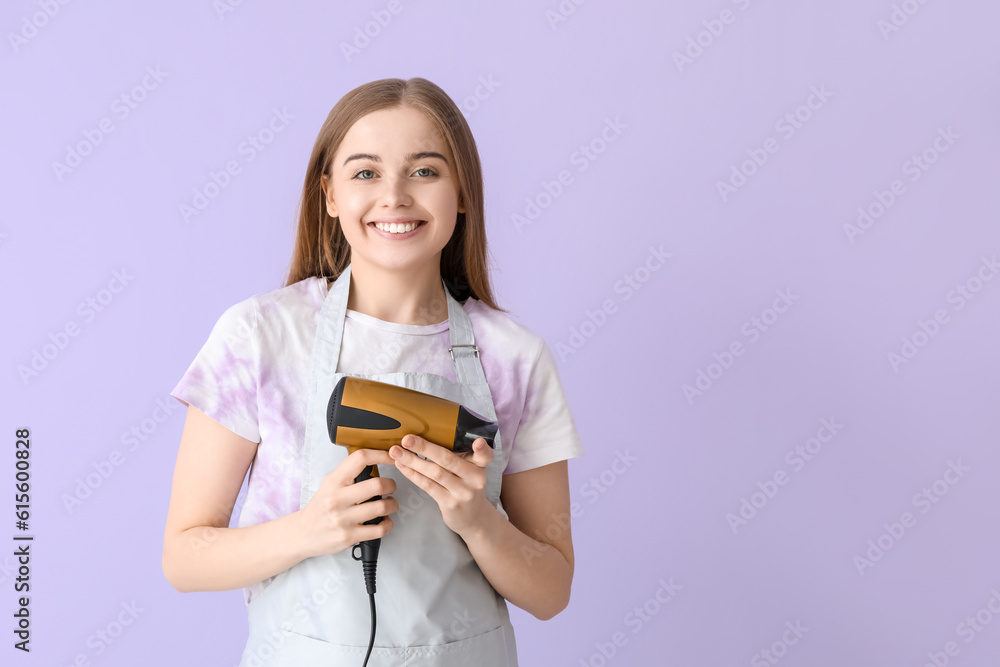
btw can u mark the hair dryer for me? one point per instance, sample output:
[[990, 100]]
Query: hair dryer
[[376, 415]]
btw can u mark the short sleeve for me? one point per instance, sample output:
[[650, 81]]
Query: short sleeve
[[223, 378], [546, 432]]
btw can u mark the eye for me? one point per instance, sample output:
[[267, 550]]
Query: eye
[[357, 173], [432, 172]]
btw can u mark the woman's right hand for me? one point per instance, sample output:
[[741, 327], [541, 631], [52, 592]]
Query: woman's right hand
[[333, 519]]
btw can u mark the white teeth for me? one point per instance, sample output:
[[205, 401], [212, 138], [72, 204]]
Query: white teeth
[[393, 228]]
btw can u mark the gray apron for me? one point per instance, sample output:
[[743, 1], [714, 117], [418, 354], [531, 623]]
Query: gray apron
[[434, 605]]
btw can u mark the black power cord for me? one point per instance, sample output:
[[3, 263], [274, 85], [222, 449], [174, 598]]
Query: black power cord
[[368, 563], [371, 639], [369, 559]]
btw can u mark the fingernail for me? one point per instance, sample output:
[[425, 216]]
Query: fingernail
[[395, 452]]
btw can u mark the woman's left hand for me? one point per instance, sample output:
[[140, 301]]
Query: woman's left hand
[[456, 482]]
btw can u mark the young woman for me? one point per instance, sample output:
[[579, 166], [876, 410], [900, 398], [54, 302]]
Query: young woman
[[388, 281]]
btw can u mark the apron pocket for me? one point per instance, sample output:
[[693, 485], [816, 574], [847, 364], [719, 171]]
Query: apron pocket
[[490, 649]]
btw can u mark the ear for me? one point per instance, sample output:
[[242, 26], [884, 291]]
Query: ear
[[331, 205]]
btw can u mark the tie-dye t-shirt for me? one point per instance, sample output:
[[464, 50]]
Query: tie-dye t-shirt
[[252, 376]]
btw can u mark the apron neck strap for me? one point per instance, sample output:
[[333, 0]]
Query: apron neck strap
[[330, 332]]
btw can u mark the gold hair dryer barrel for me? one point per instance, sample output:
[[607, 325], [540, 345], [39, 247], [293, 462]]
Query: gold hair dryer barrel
[[376, 415]]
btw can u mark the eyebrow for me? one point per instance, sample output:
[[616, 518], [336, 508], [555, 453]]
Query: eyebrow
[[409, 158]]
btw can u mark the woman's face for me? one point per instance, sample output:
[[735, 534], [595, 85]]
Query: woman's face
[[394, 165]]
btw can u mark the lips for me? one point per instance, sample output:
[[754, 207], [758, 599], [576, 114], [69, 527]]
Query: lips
[[399, 236], [395, 222], [403, 221]]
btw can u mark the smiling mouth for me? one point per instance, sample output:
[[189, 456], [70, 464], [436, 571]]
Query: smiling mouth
[[395, 228]]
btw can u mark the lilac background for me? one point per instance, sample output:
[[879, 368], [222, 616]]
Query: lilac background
[[662, 517]]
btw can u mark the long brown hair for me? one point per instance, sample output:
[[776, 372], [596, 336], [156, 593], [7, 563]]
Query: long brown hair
[[320, 246]]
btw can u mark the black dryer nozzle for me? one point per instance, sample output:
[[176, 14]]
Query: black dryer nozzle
[[470, 428]]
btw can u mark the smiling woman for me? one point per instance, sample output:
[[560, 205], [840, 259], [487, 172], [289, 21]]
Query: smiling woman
[[395, 185], [388, 281]]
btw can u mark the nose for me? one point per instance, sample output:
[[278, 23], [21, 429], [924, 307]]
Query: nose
[[395, 191]]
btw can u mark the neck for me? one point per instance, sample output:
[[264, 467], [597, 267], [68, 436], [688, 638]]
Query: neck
[[414, 296]]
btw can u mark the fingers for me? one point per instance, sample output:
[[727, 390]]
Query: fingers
[[482, 453], [334, 517], [343, 476], [352, 466], [374, 531], [348, 469], [440, 469], [356, 494], [363, 511]]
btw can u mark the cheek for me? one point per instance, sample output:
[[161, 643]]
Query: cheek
[[443, 196], [445, 232], [352, 203], [446, 208]]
